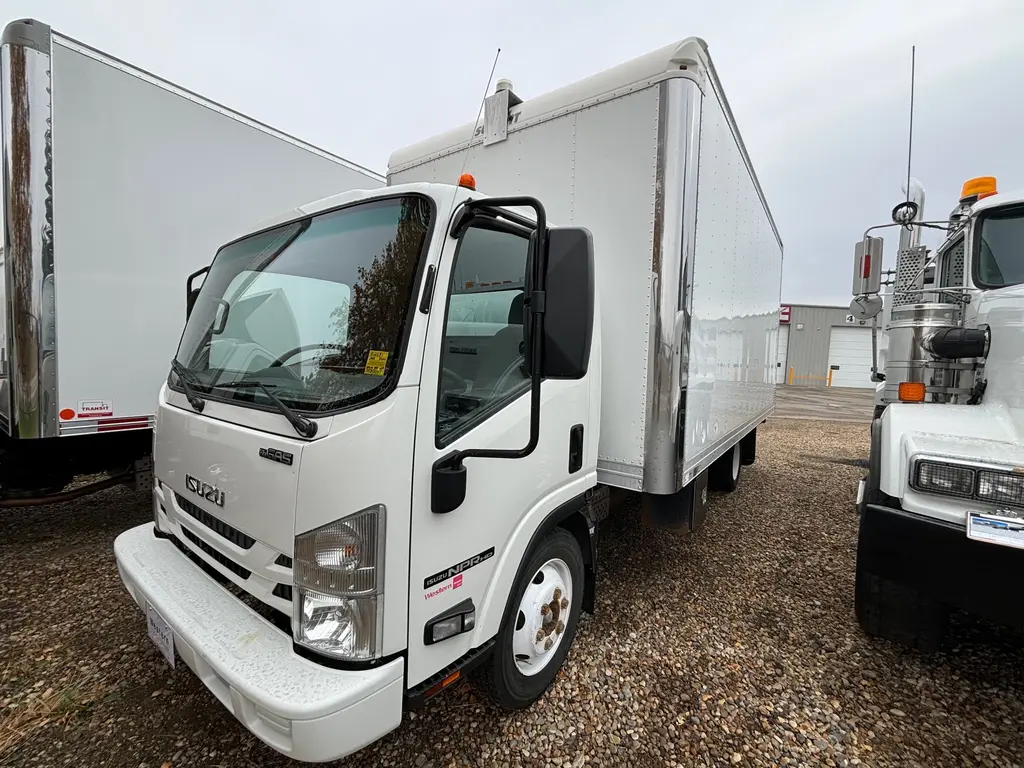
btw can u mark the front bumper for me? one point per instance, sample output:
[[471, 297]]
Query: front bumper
[[938, 560], [302, 709]]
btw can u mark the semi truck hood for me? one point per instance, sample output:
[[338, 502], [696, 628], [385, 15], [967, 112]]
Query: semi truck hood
[[243, 477]]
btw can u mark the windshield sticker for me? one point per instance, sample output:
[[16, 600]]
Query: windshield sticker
[[376, 361]]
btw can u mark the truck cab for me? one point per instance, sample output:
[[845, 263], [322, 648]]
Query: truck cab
[[336, 313], [942, 506]]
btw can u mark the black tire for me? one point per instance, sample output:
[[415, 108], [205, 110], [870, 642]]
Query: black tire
[[899, 613], [748, 448], [499, 677], [724, 474]]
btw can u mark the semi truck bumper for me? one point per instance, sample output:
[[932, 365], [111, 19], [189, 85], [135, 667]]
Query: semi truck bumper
[[938, 561], [304, 710]]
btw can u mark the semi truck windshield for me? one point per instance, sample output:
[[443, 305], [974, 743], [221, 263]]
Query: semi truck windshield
[[1001, 248], [316, 308]]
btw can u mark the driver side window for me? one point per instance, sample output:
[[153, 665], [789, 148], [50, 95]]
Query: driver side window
[[482, 363]]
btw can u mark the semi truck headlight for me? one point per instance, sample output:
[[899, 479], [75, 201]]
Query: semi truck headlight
[[982, 483], [947, 479], [1000, 487], [339, 580]]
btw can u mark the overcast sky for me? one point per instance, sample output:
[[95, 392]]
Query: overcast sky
[[820, 88]]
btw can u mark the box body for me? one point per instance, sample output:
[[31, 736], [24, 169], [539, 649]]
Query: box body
[[689, 261]]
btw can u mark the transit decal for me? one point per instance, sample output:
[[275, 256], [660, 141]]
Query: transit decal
[[92, 409]]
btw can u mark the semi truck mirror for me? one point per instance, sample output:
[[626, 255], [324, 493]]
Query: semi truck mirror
[[569, 303], [867, 266]]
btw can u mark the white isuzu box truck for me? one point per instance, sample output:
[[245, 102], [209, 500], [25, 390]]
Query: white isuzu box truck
[[116, 185], [394, 416]]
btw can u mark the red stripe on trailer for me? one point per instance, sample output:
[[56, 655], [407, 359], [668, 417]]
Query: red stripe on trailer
[[113, 425]]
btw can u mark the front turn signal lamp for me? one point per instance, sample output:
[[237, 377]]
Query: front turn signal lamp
[[911, 392]]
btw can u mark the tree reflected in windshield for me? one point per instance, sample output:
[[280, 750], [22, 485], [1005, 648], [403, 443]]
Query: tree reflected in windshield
[[317, 308]]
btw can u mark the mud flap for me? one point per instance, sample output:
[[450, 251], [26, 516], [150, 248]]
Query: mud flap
[[684, 510]]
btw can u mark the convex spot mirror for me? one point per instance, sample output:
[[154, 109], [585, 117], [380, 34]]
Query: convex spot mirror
[[569, 297]]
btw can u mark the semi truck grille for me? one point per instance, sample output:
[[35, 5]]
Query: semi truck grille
[[225, 562], [216, 525]]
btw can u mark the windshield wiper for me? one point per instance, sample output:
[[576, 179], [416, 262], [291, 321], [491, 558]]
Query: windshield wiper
[[302, 425], [185, 376]]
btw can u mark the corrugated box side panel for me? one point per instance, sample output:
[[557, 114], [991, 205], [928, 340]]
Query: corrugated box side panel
[[148, 183], [735, 294], [595, 168]]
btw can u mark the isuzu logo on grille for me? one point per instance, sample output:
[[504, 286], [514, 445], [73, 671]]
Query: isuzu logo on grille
[[205, 490]]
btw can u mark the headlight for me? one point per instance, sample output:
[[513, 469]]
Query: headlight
[[984, 484], [1000, 487], [339, 580], [947, 479]]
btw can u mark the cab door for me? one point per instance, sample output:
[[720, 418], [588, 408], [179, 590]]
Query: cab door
[[475, 393]]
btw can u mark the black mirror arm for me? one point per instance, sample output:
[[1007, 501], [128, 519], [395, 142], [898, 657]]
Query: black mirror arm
[[453, 461]]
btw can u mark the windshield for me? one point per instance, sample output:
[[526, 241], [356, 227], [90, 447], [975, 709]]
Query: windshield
[[1000, 260], [315, 309]]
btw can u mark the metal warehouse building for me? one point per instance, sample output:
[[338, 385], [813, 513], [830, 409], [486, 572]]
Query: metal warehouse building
[[823, 346]]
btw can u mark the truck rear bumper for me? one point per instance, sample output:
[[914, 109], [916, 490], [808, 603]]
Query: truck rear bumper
[[938, 560], [302, 709]]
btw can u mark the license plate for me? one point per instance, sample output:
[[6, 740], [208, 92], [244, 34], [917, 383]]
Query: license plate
[[995, 529], [160, 633]]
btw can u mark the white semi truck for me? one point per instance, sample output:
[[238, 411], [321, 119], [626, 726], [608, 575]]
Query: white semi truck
[[116, 186], [942, 506], [404, 486]]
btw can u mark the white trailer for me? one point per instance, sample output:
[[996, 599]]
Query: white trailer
[[117, 185], [405, 488]]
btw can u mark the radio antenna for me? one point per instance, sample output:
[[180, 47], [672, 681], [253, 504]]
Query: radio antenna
[[476, 120], [910, 139]]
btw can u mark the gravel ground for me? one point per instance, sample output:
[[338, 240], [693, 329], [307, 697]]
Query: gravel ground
[[734, 647]]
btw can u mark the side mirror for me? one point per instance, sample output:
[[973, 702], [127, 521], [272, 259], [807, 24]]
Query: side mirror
[[191, 292], [447, 487], [568, 304], [867, 266]]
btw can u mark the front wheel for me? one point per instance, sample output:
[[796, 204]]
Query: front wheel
[[533, 643]]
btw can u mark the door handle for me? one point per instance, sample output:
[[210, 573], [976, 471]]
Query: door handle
[[575, 448]]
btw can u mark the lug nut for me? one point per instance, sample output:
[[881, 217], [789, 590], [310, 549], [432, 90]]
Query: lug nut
[[545, 609], [564, 603], [560, 628], [548, 644], [558, 594], [540, 635]]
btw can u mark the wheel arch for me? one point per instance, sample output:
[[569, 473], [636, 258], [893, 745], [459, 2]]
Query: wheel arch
[[572, 516]]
